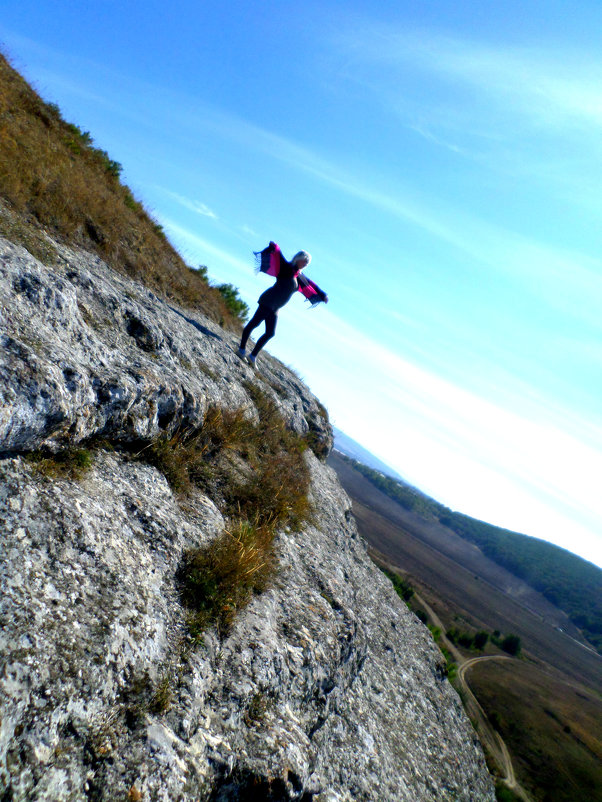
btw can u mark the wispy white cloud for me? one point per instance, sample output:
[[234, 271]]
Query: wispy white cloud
[[552, 88], [534, 469], [526, 472], [192, 205], [423, 131], [299, 157], [530, 262], [201, 245], [529, 114], [549, 86]]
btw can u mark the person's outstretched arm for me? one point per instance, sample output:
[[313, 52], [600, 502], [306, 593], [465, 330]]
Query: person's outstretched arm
[[311, 291]]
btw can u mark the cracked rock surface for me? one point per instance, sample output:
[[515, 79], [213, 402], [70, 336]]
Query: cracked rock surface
[[326, 689]]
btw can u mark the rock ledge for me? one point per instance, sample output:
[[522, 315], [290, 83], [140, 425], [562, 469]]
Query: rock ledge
[[326, 689]]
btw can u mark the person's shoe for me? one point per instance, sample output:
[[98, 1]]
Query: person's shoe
[[241, 353], [252, 361]]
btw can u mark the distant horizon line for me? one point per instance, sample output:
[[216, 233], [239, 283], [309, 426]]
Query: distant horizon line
[[398, 478]]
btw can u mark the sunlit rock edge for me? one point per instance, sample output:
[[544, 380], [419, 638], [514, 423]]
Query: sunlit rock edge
[[327, 687]]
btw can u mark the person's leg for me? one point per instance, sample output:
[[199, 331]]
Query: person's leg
[[270, 329], [252, 324]]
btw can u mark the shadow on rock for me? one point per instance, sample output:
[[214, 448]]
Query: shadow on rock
[[197, 325]]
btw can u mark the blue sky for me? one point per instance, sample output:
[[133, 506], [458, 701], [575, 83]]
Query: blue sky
[[442, 164]]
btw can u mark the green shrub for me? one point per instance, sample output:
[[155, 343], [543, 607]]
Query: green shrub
[[131, 202], [451, 666], [466, 640], [158, 229], [511, 644], [84, 137], [403, 589], [233, 301], [111, 166], [72, 463], [435, 632], [505, 794]]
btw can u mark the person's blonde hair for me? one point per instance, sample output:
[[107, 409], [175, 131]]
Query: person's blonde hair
[[301, 255]]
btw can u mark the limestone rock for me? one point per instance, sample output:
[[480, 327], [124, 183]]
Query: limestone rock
[[327, 688]]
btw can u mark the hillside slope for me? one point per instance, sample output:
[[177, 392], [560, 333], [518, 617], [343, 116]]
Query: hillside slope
[[324, 687], [458, 571], [566, 580], [54, 179], [546, 705]]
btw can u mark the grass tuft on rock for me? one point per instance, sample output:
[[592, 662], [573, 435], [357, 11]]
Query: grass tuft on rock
[[253, 467], [221, 578], [73, 463]]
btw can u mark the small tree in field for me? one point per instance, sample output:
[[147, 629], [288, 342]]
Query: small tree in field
[[511, 644], [466, 640]]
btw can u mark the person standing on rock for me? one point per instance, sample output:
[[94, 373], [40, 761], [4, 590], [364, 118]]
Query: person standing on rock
[[288, 280]]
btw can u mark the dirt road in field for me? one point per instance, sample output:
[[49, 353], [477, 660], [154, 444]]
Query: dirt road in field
[[488, 735], [492, 741], [468, 581], [455, 574]]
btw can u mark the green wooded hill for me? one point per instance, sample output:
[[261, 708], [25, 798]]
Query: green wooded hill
[[571, 583]]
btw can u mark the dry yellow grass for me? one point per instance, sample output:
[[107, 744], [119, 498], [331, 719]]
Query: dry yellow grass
[[53, 179], [219, 580], [257, 474]]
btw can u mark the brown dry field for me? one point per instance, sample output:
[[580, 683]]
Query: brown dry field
[[553, 729], [549, 703], [471, 584]]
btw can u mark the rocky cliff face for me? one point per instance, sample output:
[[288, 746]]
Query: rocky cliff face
[[326, 688]]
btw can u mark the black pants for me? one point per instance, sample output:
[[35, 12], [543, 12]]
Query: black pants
[[270, 317]]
